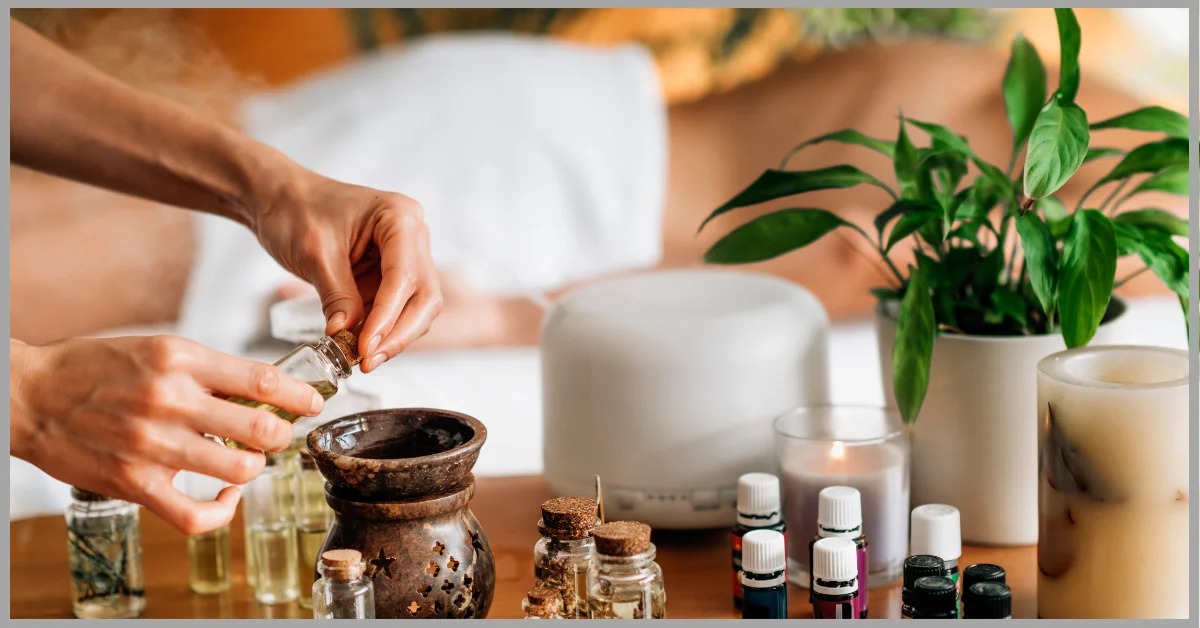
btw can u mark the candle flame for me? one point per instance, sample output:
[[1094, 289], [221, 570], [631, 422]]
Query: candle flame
[[838, 451]]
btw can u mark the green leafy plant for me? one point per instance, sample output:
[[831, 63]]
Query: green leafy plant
[[970, 276]]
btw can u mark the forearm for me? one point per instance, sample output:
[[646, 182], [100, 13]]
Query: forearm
[[71, 120]]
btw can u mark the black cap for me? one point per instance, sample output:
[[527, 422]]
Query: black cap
[[980, 573], [934, 595], [921, 565], [987, 600]]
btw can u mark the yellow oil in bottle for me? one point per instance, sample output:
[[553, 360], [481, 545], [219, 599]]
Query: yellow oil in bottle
[[309, 541], [209, 560], [274, 549], [325, 389]]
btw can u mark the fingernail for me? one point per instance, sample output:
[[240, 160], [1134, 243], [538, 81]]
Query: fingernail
[[337, 320], [317, 404], [373, 343], [376, 361]]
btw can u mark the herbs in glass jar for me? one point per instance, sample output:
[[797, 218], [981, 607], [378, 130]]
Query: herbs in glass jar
[[104, 552]]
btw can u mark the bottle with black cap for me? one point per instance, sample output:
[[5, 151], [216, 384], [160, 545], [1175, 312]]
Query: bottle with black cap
[[987, 600], [974, 574], [915, 568], [934, 597]]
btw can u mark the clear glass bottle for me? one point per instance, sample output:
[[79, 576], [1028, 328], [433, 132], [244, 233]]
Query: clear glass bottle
[[313, 518], [268, 507], [562, 556], [210, 561], [322, 365], [104, 552], [623, 581], [343, 591], [542, 603]]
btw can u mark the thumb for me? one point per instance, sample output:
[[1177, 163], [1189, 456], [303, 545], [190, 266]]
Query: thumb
[[340, 299]]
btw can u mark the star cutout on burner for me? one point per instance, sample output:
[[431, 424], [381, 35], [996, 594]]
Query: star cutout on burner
[[414, 608], [382, 563], [453, 564]]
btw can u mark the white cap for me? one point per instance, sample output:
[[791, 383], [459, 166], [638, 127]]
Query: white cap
[[835, 559], [839, 512], [936, 531], [758, 500], [763, 552]]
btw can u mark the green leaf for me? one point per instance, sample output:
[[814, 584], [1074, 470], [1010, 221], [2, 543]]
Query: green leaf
[[1127, 239], [772, 235], [1174, 180], [774, 184], [1101, 153], [1154, 119], [1161, 254], [1057, 219], [899, 208], [912, 353], [1150, 157], [885, 294], [1087, 274], [1041, 259], [949, 138], [845, 136], [1010, 304], [1057, 146], [1069, 41], [1024, 89], [906, 164], [1155, 219], [908, 225]]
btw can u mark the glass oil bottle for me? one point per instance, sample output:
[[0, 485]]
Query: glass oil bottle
[[322, 365], [104, 552], [313, 518], [209, 560], [268, 509], [542, 603], [343, 591], [623, 581], [562, 556]]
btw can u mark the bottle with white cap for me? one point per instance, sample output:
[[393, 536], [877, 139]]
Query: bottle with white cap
[[839, 514], [764, 575], [835, 585], [758, 509], [936, 531]]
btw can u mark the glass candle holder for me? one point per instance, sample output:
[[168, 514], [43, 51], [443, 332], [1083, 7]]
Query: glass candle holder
[[863, 447], [1113, 483]]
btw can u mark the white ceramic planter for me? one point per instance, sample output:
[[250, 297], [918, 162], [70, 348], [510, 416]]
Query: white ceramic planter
[[975, 442]]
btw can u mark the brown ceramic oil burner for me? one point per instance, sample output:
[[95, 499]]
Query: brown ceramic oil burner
[[399, 483]]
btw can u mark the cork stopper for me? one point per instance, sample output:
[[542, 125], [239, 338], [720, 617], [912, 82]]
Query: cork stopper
[[347, 342], [542, 602], [568, 517], [342, 563], [622, 538]]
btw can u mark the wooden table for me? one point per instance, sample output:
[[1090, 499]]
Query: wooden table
[[695, 566]]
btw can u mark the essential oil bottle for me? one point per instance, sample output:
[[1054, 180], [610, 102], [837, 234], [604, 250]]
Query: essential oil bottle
[[562, 556], [915, 568], [987, 600], [343, 591], [936, 531], [623, 581], [835, 585], [764, 575], [322, 365], [975, 574], [542, 603], [839, 514], [104, 553], [757, 509], [935, 597]]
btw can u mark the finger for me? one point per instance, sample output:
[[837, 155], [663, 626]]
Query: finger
[[416, 319], [334, 281], [258, 381], [398, 266], [188, 515], [251, 426], [211, 458]]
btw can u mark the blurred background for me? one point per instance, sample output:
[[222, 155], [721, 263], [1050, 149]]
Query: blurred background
[[550, 147]]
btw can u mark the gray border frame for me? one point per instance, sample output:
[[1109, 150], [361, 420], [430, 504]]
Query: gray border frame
[[1194, 340]]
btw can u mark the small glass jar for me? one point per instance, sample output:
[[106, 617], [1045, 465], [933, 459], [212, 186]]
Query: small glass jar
[[313, 518], [104, 552], [562, 556], [343, 590], [268, 507], [623, 581], [542, 603], [321, 365]]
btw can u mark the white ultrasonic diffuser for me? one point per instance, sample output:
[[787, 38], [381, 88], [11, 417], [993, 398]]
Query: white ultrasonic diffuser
[[666, 385]]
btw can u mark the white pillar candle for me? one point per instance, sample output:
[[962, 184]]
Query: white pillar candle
[[860, 447], [1113, 492]]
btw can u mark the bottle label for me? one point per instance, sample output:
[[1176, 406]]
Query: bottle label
[[737, 566], [834, 610], [863, 586]]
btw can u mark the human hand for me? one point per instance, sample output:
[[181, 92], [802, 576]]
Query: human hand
[[122, 416], [365, 251]]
